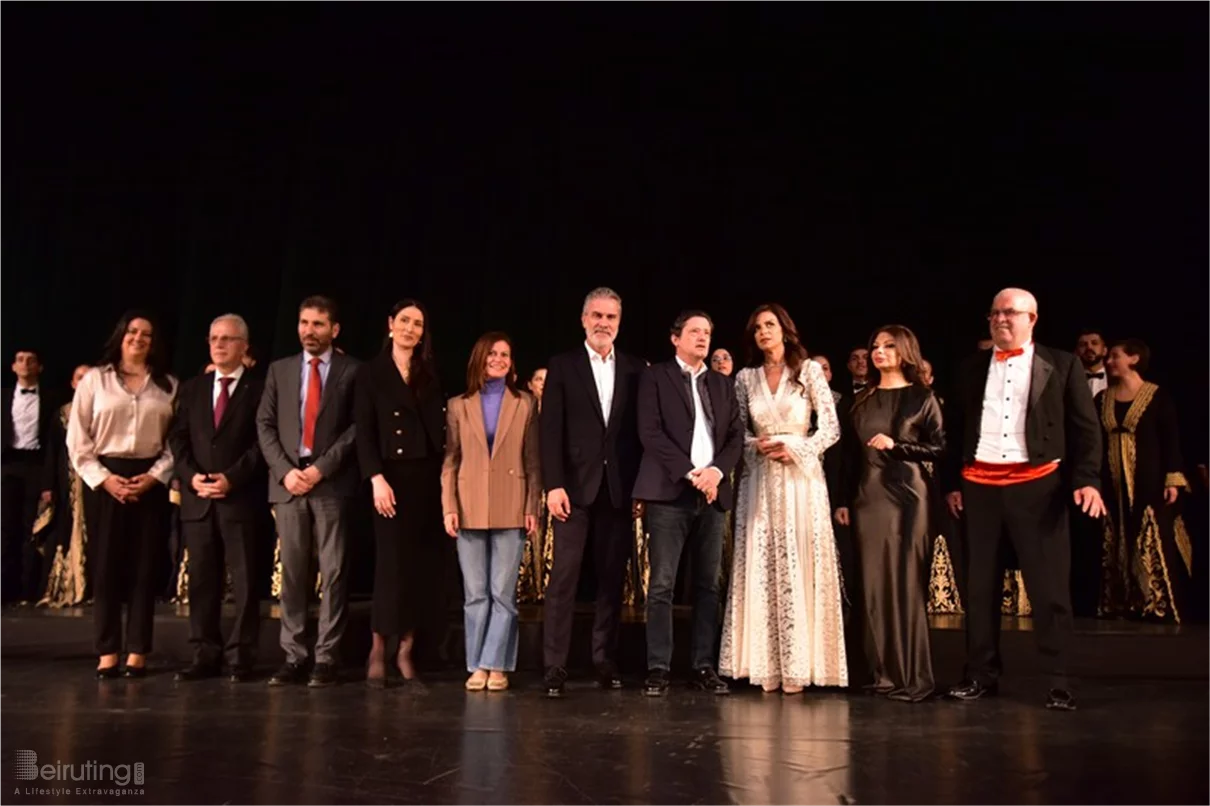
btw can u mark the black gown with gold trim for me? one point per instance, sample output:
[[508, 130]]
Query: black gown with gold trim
[[1147, 558]]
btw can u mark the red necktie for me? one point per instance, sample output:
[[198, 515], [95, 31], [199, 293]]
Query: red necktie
[[224, 397], [1004, 355], [314, 391]]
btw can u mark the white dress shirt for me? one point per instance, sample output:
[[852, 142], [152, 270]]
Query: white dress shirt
[[1097, 385], [1005, 401], [25, 420], [701, 451], [603, 372], [218, 386]]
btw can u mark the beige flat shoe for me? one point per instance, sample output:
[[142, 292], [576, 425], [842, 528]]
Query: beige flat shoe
[[476, 682], [497, 683]]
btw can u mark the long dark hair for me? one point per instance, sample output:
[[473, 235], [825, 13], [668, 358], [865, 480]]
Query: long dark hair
[[476, 367], [157, 365], [422, 372], [908, 347], [796, 352]]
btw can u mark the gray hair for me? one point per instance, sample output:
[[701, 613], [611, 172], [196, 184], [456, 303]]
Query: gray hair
[[233, 317], [601, 293]]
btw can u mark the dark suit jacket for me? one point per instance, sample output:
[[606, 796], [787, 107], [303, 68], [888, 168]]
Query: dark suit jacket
[[666, 417], [579, 453], [279, 427], [231, 449], [1060, 421], [50, 431], [392, 421]]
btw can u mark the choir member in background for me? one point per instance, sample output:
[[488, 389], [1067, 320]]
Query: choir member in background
[[26, 477], [1148, 554], [305, 429], [400, 443], [859, 369], [491, 491], [537, 384], [590, 457], [721, 362], [1026, 442], [893, 437], [826, 366], [1091, 350], [692, 438], [214, 443], [117, 439], [785, 563], [67, 582]]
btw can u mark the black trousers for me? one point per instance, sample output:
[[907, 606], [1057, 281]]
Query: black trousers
[[124, 541], [219, 541], [1033, 517], [608, 528], [21, 483]]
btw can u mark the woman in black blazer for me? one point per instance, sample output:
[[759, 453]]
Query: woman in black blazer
[[891, 438], [400, 419]]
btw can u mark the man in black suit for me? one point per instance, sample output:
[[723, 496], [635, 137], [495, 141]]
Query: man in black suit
[[692, 437], [306, 433], [26, 474], [218, 463], [590, 457], [1028, 443]]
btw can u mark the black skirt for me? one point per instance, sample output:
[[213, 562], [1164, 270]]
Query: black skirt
[[408, 567]]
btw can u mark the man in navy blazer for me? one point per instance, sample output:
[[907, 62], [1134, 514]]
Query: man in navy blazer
[[692, 438]]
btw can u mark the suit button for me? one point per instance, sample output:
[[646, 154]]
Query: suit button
[[399, 450], [396, 414], [398, 431], [510, 472]]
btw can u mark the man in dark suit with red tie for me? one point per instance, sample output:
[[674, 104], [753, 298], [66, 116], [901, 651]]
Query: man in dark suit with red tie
[[590, 457], [218, 461], [306, 431], [1026, 445], [692, 438]]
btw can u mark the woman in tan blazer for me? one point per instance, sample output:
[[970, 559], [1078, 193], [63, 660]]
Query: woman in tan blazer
[[491, 496]]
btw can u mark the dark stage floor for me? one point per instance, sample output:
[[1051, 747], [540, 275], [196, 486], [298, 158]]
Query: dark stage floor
[[1135, 739]]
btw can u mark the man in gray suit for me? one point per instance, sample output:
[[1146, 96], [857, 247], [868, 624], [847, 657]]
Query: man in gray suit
[[305, 426]]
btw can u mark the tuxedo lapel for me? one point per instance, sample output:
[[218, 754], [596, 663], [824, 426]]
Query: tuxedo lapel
[[584, 369], [1039, 376]]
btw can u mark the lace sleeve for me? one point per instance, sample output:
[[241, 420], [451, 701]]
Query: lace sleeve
[[807, 450], [741, 398]]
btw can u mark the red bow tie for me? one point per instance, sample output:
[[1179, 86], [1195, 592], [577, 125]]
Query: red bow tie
[[1004, 355]]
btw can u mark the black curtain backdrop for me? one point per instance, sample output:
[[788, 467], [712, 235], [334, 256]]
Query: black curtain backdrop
[[861, 164]]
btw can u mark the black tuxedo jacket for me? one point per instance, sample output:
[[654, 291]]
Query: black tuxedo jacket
[[231, 449], [50, 432], [579, 453], [1060, 420], [666, 417]]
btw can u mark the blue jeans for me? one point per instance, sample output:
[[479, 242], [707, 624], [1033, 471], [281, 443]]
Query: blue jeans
[[671, 523], [490, 560]]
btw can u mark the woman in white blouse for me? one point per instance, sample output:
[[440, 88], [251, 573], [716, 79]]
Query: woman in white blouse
[[117, 443]]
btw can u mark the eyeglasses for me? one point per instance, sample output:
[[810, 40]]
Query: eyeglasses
[[1007, 313], [224, 340]]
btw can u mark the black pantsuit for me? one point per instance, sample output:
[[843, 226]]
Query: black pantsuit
[[124, 542]]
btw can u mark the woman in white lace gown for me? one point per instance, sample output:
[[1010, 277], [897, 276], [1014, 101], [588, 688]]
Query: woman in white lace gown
[[783, 625]]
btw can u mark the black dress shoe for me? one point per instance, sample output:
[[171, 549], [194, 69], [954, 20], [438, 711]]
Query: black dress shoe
[[322, 676], [240, 673], [134, 672], [196, 671], [290, 674], [706, 679], [973, 690], [608, 677], [556, 677], [1060, 699], [656, 684], [109, 673]]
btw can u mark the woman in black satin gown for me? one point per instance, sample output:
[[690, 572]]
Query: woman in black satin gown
[[893, 430]]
